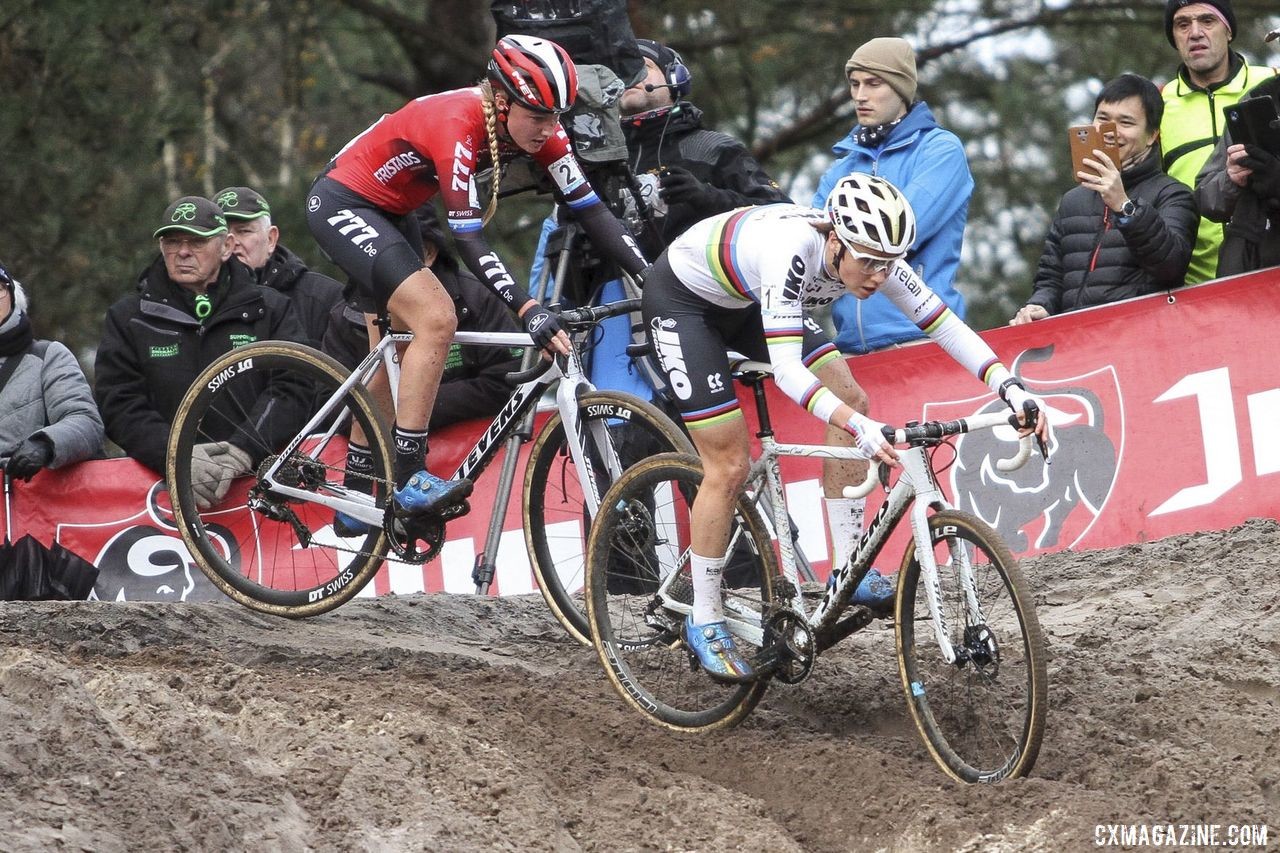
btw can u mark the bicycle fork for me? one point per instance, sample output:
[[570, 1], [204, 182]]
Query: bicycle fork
[[926, 498]]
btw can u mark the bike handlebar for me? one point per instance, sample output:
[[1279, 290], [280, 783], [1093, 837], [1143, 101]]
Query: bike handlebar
[[580, 317], [935, 430], [574, 319]]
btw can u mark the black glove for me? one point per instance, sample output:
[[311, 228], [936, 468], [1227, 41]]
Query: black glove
[[1265, 180], [679, 186], [541, 325], [29, 457]]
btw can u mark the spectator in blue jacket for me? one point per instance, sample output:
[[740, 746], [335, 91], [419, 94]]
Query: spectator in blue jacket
[[898, 139]]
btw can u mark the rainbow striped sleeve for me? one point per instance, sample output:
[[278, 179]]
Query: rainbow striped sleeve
[[934, 320], [988, 368], [722, 257], [813, 395]]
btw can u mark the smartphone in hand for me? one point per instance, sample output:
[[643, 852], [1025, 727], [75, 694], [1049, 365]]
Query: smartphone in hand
[[1085, 138], [1253, 121]]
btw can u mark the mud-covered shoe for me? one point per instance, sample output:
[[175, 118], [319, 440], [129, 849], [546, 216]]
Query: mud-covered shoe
[[876, 592], [426, 493], [716, 650], [345, 526]]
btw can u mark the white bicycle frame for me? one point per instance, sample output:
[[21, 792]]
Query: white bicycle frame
[[572, 384], [916, 483]]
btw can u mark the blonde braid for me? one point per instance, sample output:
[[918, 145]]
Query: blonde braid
[[491, 128]]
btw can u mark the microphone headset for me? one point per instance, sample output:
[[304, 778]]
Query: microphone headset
[[677, 75]]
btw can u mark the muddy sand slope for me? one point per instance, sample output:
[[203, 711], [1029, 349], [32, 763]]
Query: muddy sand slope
[[460, 723]]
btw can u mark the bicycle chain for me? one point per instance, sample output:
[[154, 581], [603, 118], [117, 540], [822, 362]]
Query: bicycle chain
[[401, 533]]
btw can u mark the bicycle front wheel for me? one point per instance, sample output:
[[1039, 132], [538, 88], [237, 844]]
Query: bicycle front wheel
[[271, 552], [981, 715], [617, 431], [639, 590]]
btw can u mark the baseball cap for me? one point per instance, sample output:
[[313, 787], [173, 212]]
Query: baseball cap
[[242, 203], [193, 214]]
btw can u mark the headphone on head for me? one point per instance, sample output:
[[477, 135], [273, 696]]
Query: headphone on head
[[674, 71]]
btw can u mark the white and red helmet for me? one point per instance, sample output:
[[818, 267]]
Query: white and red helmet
[[537, 73]]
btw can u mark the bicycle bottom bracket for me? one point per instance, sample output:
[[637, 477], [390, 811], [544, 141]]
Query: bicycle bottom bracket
[[418, 539]]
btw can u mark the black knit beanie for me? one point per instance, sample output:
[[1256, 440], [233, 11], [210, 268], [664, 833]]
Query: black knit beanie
[[1223, 6]]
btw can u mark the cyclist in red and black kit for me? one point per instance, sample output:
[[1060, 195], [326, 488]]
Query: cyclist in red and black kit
[[361, 213]]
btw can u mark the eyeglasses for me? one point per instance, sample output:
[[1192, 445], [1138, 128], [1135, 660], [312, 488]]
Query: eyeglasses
[[1206, 22], [873, 264], [170, 244]]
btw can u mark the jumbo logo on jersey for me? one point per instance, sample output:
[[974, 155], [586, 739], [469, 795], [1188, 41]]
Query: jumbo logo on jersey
[[1039, 507]]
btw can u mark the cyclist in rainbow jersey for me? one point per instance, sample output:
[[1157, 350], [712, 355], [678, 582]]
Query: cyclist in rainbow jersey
[[742, 281]]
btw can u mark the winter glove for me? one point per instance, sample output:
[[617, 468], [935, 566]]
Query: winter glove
[[1265, 180], [679, 186], [213, 468], [541, 325], [29, 457], [869, 433]]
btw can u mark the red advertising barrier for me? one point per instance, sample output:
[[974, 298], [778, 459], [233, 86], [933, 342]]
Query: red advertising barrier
[[1161, 409]]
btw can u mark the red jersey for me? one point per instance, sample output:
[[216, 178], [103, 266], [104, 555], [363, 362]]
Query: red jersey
[[437, 143]]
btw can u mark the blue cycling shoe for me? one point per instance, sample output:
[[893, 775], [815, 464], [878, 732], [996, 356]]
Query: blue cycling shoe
[[426, 493], [345, 526], [716, 650], [876, 592]]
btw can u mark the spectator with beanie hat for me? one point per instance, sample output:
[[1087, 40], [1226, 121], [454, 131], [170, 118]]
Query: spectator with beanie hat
[[256, 242], [47, 415], [192, 304], [898, 139], [1211, 77]]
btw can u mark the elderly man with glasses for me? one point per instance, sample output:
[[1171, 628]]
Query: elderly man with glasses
[[193, 303]]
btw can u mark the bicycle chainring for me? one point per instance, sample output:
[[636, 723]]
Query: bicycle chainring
[[418, 539], [790, 653]]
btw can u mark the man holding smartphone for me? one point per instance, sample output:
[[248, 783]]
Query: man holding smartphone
[[1240, 185], [1210, 78], [1125, 231]]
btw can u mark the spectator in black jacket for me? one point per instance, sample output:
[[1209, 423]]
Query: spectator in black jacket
[[256, 242], [1240, 185], [475, 382], [695, 172], [1123, 232], [193, 303]]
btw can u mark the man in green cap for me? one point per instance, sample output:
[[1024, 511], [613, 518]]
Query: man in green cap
[[191, 304], [255, 241]]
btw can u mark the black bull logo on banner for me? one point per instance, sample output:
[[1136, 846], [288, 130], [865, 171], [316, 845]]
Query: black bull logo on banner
[[146, 560], [1038, 506]]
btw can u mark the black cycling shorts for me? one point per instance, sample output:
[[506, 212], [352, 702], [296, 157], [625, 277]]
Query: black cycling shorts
[[377, 249], [691, 338]]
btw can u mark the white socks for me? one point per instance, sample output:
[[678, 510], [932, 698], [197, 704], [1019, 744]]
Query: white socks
[[844, 519], [707, 603]]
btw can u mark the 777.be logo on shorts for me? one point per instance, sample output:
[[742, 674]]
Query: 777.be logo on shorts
[[355, 229]]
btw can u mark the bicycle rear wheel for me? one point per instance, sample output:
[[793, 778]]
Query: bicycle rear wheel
[[639, 540], [618, 430], [981, 716], [273, 553]]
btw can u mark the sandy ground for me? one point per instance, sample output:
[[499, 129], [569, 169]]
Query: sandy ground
[[460, 723]]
